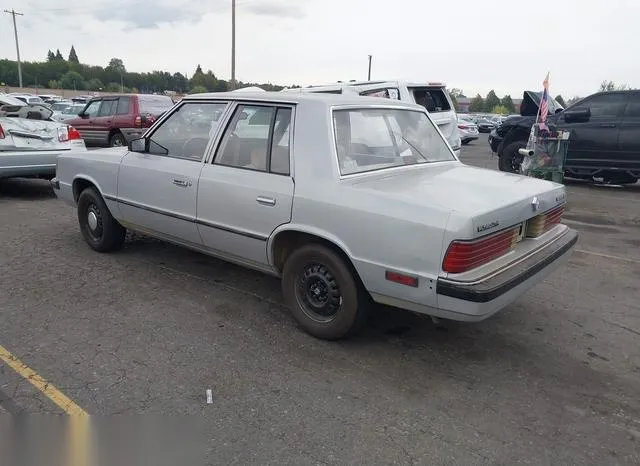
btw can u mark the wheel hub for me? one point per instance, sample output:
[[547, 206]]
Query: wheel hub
[[92, 220], [319, 293]]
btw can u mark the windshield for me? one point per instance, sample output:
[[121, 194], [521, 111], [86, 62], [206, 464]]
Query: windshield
[[375, 139], [59, 106]]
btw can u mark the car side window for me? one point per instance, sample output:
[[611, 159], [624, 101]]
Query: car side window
[[633, 107], [124, 104], [107, 108], [187, 131], [257, 138], [605, 105], [92, 109], [387, 93]]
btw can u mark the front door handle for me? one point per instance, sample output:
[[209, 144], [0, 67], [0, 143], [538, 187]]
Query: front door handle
[[182, 183], [268, 201]]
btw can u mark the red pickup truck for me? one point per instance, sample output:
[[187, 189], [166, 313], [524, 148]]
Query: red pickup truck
[[115, 120]]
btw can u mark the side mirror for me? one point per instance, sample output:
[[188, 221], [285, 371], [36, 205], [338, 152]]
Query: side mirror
[[138, 145], [578, 115], [83, 115]]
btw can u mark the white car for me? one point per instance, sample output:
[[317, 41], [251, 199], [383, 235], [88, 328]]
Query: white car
[[351, 200], [30, 142], [431, 95], [70, 111], [468, 129]]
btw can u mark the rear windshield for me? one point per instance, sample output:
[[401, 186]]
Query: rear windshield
[[434, 99], [374, 139], [154, 104]]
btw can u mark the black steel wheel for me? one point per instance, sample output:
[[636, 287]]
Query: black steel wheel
[[324, 293], [98, 227]]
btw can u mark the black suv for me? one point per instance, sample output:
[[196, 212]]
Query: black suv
[[605, 135]]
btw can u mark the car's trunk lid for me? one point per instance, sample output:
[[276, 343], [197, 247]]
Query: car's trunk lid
[[25, 134], [491, 200]]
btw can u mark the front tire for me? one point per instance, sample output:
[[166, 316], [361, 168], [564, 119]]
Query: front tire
[[325, 296], [511, 159], [100, 230]]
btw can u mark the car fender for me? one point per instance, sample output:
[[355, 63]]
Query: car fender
[[309, 229]]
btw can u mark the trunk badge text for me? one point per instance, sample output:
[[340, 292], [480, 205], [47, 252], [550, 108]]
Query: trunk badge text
[[535, 204], [487, 226]]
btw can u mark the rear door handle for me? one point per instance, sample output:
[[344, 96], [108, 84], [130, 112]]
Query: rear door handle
[[182, 183], [268, 201]]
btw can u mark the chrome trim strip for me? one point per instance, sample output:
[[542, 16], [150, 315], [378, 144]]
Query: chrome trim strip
[[188, 218]]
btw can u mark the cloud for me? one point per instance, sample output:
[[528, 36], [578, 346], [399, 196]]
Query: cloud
[[277, 9], [139, 14]]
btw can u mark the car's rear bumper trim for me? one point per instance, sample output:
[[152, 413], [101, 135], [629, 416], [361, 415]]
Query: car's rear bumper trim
[[497, 285]]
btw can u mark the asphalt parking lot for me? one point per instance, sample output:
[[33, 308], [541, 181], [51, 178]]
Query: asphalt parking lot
[[553, 379]]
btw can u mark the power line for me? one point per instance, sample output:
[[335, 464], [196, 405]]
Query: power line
[[13, 13]]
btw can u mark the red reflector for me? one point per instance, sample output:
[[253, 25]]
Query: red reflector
[[73, 133], [1, 132], [466, 255], [400, 278]]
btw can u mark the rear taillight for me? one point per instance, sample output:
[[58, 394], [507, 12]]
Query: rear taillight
[[463, 127], [466, 255], [1, 132], [544, 222], [68, 133], [138, 122], [73, 133]]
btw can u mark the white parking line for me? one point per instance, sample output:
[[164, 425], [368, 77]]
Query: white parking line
[[609, 256]]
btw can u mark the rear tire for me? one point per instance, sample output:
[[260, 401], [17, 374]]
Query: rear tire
[[117, 140], [100, 230], [510, 160], [325, 296]]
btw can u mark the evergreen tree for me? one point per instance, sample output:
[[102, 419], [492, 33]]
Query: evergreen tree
[[73, 57], [50, 56], [59, 55]]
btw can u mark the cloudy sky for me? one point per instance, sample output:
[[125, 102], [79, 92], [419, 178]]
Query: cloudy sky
[[473, 45]]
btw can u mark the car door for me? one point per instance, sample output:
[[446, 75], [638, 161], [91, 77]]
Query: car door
[[103, 121], [157, 187], [629, 141], [594, 143], [84, 124], [246, 192]]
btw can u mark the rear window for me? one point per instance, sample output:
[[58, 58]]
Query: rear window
[[154, 104], [375, 139], [434, 99]]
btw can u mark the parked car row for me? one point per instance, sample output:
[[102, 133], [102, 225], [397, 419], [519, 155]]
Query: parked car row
[[604, 142]]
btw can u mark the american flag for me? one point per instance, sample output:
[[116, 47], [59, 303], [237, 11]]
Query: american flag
[[544, 102]]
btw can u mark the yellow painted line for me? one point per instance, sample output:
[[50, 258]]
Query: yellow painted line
[[49, 390]]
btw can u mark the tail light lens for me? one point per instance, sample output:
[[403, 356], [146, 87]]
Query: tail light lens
[[463, 127], [73, 133], [68, 133], [544, 222], [466, 255], [138, 121], [2, 136]]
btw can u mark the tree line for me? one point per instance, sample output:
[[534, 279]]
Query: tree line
[[56, 72]]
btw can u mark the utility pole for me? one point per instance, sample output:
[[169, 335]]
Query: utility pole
[[15, 31], [369, 74], [233, 44]]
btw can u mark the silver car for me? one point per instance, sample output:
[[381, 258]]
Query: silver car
[[30, 142], [351, 200]]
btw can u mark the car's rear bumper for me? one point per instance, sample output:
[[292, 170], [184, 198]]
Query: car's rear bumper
[[480, 299], [43, 170]]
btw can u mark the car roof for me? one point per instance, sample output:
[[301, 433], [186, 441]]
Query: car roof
[[295, 98]]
